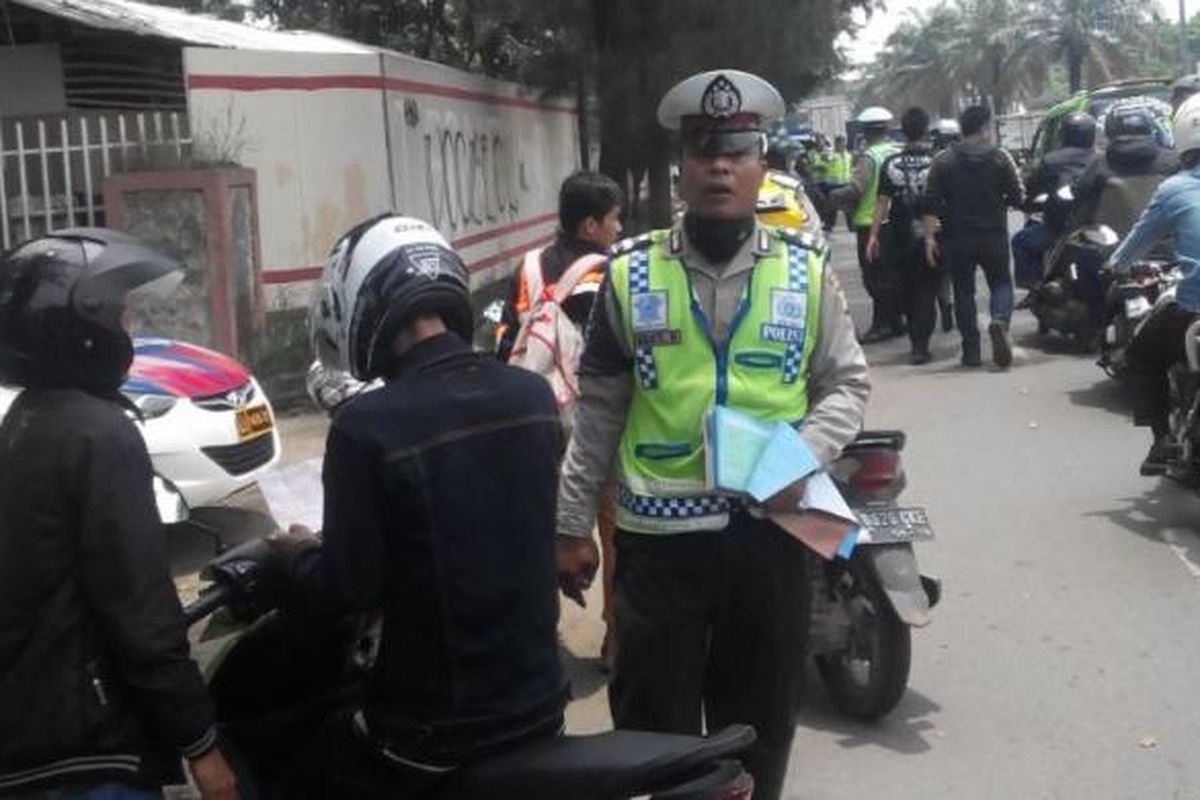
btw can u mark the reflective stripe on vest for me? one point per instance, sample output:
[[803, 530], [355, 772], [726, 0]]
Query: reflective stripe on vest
[[864, 213], [680, 372]]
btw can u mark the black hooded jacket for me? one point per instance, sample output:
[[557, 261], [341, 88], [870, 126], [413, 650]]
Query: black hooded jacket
[[971, 187], [95, 680]]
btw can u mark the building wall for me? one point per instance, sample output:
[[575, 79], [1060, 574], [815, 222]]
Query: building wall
[[336, 138], [31, 80]]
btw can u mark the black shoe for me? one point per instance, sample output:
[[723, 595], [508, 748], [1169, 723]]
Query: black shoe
[[971, 358], [1001, 347], [1157, 460], [875, 335], [920, 357]]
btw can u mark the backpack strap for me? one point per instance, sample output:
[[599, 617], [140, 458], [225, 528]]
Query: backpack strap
[[531, 280], [575, 273]]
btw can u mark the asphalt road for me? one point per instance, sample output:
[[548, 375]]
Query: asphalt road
[[1063, 660]]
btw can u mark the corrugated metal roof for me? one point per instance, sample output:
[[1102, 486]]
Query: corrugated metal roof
[[169, 23]]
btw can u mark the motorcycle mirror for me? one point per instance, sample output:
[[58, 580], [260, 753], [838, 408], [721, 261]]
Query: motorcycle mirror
[[172, 507], [1065, 194]]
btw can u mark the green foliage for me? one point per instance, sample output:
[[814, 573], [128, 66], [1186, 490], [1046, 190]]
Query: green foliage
[[1008, 51]]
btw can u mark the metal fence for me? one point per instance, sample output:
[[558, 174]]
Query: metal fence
[[52, 167]]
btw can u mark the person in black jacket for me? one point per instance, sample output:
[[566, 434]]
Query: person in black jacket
[[1058, 168], [424, 525], [902, 179], [98, 694], [971, 186]]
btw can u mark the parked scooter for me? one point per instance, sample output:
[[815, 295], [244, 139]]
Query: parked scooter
[[864, 607], [1128, 304]]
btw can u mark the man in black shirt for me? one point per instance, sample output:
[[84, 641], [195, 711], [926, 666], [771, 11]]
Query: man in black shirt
[[901, 196], [971, 186]]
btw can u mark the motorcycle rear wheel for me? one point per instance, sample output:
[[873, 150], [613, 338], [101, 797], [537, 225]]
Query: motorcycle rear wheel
[[868, 680]]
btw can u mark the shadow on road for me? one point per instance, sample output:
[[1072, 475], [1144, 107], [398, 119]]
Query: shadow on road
[[903, 731], [1163, 506], [1106, 394]]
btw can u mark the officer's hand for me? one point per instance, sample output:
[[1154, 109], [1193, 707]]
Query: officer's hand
[[577, 559], [789, 500], [932, 251], [213, 777], [873, 248]]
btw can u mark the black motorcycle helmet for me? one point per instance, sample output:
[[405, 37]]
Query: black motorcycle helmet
[[1129, 121], [380, 275], [62, 307], [1079, 130]]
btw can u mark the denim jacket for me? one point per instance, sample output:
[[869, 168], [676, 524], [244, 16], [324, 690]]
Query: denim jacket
[[1174, 209]]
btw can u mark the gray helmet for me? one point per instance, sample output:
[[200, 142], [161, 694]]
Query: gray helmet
[[62, 306]]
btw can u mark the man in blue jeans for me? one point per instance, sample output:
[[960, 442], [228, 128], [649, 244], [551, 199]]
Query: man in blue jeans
[[971, 186]]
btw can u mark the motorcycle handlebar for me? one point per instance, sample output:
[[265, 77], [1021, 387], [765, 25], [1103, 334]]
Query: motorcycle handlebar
[[210, 600]]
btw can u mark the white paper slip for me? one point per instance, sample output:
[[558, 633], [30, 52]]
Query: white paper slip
[[294, 493], [822, 494]]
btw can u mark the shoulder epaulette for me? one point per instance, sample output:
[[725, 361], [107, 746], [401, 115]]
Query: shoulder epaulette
[[801, 238], [627, 246]]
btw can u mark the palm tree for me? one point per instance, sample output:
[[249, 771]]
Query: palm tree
[[1101, 37]]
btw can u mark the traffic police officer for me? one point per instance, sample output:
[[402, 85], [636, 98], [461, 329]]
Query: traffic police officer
[[858, 198], [712, 600]]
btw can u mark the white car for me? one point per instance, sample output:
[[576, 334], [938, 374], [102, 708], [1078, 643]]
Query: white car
[[208, 424]]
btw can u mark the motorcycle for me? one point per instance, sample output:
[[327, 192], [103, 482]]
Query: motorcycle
[[864, 607], [1060, 300], [1128, 304], [276, 678]]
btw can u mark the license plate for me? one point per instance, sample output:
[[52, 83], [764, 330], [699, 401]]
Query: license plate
[[1136, 307], [253, 422], [895, 524]]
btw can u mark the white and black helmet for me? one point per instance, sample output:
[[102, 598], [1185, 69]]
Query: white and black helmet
[[380, 275]]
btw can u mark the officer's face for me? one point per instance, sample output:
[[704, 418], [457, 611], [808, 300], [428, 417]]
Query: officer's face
[[724, 185]]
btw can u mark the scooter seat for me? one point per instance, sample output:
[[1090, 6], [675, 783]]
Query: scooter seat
[[605, 766]]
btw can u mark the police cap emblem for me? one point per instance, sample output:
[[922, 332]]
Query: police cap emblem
[[721, 100]]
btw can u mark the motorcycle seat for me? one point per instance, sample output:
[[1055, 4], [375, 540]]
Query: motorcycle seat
[[598, 767]]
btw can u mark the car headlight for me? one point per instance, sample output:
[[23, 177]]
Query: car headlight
[[153, 406]]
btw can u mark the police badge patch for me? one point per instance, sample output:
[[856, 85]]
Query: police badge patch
[[721, 99], [789, 312], [649, 311]]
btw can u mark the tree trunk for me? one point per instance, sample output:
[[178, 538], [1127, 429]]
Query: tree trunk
[[659, 177], [582, 117], [1074, 70]]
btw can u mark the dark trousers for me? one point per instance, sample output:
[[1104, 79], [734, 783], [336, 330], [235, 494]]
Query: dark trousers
[[882, 282], [989, 252], [921, 285], [1157, 346], [340, 762], [1029, 246], [712, 628]]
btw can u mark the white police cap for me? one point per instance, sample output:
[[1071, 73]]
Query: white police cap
[[723, 98], [875, 115]]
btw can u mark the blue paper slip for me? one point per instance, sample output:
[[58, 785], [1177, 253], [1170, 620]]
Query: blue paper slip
[[785, 460], [733, 443], [744, 455]]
